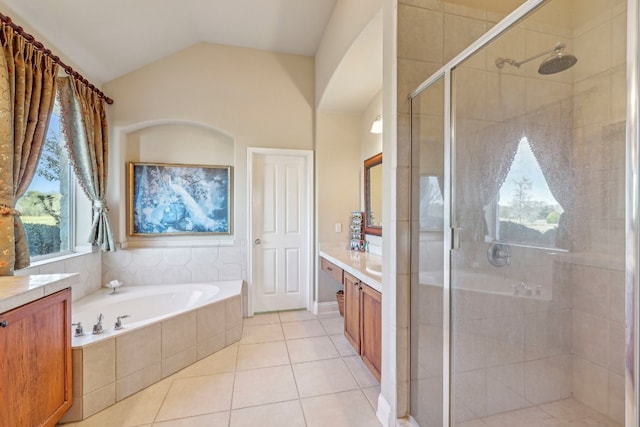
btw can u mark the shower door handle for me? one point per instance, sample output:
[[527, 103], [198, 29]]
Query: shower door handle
[[455, 238]]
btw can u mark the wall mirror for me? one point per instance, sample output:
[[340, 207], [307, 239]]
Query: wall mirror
[[373, 195]]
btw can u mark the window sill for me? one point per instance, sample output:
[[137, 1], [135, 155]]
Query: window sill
[[79, 251]]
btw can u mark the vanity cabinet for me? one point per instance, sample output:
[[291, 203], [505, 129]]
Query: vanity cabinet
[[331, 269], [363, 321], [35, 367]]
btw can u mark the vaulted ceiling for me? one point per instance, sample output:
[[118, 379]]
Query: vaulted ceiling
[[110, 38]]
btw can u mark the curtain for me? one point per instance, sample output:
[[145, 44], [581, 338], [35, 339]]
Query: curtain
[[30, 77], [550, 135], [484, 157], [84, 123]]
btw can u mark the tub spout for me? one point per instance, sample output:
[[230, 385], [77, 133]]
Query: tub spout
[[97, 328]]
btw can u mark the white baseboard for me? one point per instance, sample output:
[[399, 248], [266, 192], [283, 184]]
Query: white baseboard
[[384, 411], [326, 307]]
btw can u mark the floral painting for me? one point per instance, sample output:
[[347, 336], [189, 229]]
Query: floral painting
[[167, 199]]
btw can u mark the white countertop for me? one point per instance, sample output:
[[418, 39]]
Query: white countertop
[[19, 290], [355, 263]]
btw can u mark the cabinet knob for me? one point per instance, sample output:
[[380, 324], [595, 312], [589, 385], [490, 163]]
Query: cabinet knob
[[4, 324]]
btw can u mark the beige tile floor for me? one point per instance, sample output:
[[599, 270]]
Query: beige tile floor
[[562, 413], [290, 369]]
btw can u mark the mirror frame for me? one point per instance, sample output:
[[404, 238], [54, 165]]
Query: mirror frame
[[368, 164]]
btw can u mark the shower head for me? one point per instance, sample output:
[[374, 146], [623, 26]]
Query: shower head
[[557, 62]]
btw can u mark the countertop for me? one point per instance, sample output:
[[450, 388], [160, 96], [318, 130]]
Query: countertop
[[355, 263], [19, 290]]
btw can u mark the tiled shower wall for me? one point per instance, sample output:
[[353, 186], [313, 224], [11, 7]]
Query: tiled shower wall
[[599, 172]]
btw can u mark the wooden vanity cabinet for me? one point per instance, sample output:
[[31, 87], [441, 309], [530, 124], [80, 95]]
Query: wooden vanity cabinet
[[371, 329], [352, 310], [35, 365], [363, 321], [331, 269]]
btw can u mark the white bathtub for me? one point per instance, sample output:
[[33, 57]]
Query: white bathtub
[[144, 304], [170, 328]]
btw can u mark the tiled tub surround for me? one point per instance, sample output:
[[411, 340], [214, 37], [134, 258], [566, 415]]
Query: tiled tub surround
[[216, 260], [108, 369]]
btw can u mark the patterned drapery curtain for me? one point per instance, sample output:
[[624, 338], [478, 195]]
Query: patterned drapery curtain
[[84, 123], [550, 134], [484, 157], [27, 87]]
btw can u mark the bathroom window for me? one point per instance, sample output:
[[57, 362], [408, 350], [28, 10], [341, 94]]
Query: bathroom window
[[46, 206], [524, 211]]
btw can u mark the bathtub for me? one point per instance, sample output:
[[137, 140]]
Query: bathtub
[[170, 327]]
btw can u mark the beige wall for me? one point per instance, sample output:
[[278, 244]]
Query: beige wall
[[251, 97], [348, 19]]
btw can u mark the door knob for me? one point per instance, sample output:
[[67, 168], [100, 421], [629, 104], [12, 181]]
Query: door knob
[[257, 241], [4, 324]]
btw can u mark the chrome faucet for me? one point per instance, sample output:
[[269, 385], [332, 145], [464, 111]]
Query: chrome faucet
[[516, 288], [97, 328], [78, 330], [118, 324]]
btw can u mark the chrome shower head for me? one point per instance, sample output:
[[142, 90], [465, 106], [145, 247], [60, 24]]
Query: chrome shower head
[[556, 63]]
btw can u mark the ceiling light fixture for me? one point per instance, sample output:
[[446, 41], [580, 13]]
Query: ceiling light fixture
[[376, 126]]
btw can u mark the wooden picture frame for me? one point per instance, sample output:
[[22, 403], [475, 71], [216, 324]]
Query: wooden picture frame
[[176, 199]]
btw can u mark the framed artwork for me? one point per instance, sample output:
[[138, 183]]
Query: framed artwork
[[173, 199]]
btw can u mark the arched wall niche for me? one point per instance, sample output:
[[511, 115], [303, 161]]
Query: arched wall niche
[[162, 141]]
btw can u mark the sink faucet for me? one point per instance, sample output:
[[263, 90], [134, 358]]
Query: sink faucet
[[97, 328]]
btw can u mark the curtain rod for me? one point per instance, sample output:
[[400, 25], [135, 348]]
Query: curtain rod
[[56, 59]]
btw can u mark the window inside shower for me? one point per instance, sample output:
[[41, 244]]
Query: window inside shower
[[523, 211]]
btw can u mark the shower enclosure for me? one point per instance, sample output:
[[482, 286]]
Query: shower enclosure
[[522, 203]]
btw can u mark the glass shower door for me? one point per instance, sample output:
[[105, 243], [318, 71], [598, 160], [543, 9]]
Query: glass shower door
[[537, 274]]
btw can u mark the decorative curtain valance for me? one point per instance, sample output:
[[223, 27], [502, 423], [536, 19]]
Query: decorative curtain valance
[[27, 87], [84, 123]]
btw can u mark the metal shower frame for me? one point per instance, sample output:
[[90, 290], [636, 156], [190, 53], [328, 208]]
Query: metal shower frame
[[632, 198]]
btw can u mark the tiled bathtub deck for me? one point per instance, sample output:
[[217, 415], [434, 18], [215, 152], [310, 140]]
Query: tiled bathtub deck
[[290, 369]]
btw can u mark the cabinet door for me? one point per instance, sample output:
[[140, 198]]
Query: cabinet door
[[352, 310], [371, 329], [35, 367]]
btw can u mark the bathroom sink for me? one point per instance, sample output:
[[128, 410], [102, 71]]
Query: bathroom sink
[[375, 269]]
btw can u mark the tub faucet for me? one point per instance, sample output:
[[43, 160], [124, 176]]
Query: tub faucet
[[516, 288], [97, 328], [78, 330], [118, 324]]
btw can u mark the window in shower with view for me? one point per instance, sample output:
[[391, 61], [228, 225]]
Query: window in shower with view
[[524, 210]]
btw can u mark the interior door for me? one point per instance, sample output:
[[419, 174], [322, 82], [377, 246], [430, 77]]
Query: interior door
[[280, 230]]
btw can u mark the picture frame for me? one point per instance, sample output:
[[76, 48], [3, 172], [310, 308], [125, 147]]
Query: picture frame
[[178, 199]]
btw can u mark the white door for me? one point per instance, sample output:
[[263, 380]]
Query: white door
[[280, 229]]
